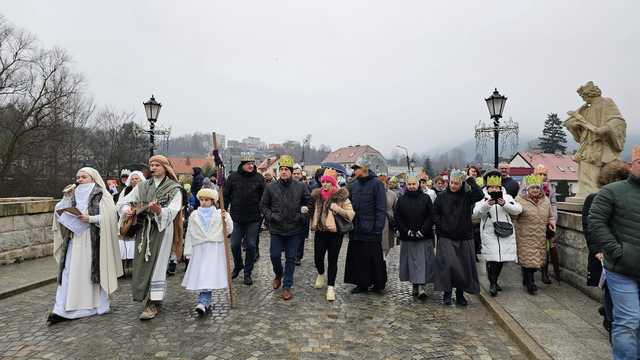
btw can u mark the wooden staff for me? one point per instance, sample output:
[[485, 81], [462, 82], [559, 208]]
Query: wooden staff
[[227, 250]]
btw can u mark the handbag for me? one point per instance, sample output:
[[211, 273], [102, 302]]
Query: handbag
[[343, 225], [502, 229]]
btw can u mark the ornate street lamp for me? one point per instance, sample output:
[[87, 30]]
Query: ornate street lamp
[[496, 103], [152, 109]]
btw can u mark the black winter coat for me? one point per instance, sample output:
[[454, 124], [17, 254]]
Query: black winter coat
[[196, 183], [280, 205], [512, 186], [369, 200], [414, 211], [594, 266], [243, 192], [453, 211]]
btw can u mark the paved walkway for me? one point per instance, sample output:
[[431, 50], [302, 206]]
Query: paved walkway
[[560, 318], [15, 278], [262, 326]]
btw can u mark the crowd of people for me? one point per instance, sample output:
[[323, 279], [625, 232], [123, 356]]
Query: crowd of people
[[443, 226]]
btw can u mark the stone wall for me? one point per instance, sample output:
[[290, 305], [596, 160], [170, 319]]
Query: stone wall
[[573, 252], [25, 228]]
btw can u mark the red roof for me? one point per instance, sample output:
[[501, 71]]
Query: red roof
[[520, 171], [349, 154], [183, 165], [560, 167]]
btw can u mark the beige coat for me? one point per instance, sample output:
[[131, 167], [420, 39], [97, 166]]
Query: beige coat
[[388, 234], [323, 218], [531, 230]]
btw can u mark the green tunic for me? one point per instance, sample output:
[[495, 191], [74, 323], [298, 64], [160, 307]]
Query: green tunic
[[149, 238]]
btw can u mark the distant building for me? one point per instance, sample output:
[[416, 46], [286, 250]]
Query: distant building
[[234, 144], [222, 141], [561, 167], [252, 143], [347, 156]]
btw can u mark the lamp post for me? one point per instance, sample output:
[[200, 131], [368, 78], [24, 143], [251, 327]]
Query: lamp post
[[413, 166], [406, 153], [495, 103], [152, 109], [305, 143]]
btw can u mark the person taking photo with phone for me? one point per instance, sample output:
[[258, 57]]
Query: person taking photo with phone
[[496, 227]]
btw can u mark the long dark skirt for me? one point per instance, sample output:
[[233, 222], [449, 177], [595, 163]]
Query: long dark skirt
[[365, 265], [456, 266], [417, 261]]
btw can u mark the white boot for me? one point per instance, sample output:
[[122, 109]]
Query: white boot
[[319, 282], [331, 293]]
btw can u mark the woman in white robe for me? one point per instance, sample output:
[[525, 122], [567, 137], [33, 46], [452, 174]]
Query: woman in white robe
[[85, 281]]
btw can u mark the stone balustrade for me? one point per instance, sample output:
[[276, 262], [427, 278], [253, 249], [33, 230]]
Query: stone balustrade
[[573, 252], [25, 228]]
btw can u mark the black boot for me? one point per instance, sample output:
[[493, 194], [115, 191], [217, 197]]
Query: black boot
[[523, 270], [491, 274], [498, 271], [236, 272], [460, 300], [55, 318], [531, 285], [171, 269], [446, 297], [414, 293]]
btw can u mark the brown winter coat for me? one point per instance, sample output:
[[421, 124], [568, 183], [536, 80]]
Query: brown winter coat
[[323, 218], [531, 231]]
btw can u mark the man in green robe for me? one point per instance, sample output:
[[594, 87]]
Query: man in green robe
[[156, 203]]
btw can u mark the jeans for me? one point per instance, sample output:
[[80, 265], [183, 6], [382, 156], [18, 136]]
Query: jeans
[[300, 250], [625, 294], [249, 232], [204, 298], [290, 245], [327, 242]]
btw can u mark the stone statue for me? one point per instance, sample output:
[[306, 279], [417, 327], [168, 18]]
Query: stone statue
[[600, 130]]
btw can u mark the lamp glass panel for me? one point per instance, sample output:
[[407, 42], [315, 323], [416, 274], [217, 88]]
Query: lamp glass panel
[[491, 106], [500, 104]]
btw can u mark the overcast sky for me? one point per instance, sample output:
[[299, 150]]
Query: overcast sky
[[349, 72]]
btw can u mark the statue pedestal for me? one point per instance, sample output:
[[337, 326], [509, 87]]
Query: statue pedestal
[[573, 204]]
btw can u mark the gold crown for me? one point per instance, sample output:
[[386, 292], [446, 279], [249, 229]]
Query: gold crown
[[286, 161], [457, 175], [494, 181], [533, 180]]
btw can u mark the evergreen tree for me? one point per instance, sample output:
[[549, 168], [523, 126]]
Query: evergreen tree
[[428, 168], [553, 139]]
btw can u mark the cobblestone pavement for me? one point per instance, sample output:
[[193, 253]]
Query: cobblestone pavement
[[262, 325]]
